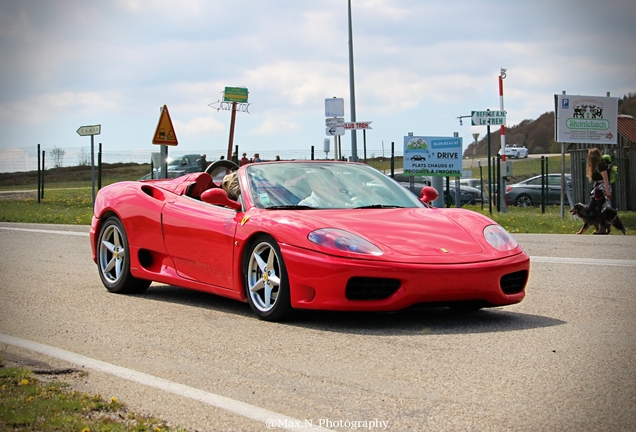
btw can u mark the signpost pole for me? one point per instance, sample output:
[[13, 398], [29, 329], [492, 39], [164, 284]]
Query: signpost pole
[[232, 121], [500, 182], [93, 167], [489, 179], [164, 161], [92, 131]]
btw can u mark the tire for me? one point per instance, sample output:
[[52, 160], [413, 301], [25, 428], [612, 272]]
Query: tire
[[524, 200], [113, 260], [266, 281]]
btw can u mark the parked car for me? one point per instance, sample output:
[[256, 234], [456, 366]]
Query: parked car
[[528, 192], [186, 164], [363, 244], [468, 194], [472, 182], [515, 151]]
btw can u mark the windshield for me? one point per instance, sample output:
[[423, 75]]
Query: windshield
[[324, 185]]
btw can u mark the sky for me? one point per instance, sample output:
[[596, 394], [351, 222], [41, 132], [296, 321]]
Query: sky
[[418, 66]]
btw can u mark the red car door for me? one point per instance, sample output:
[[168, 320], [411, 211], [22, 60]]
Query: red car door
[[200, 239]]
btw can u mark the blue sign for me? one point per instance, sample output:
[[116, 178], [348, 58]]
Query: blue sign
[[432, 156]]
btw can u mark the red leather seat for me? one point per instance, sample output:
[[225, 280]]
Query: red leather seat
[[202, 183]]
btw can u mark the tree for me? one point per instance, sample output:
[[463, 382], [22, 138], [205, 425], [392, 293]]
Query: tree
[[58, 156], [83, 158]]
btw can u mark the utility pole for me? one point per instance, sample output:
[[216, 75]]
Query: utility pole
[[352, 92]]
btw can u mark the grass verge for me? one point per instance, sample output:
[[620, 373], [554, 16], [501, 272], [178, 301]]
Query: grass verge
[[74, 207], [27, 404]]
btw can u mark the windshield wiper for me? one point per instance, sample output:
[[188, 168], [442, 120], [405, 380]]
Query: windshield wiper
[[378, 206], [291, 207]]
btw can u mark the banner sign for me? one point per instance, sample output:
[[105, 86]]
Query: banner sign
[[432, 156], [586, 119]]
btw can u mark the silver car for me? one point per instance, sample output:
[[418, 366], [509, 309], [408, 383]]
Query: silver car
[[528, 192]]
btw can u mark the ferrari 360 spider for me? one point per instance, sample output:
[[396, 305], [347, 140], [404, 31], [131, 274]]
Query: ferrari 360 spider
[[298, 235]]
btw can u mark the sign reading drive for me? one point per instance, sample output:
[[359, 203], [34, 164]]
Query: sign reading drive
[[433, 156], [89, 130]]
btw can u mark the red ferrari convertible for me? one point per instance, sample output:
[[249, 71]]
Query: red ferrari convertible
[[296, 235]]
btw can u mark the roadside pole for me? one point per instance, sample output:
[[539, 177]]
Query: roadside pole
[[500, 182], [92, 131]]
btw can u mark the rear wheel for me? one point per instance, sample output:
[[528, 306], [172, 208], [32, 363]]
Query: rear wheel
[[524, 201], [266, 282], [113, 260]]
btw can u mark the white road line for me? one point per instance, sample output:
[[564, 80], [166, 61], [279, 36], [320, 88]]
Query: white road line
[[234, 406], [584, 261], [45, 231]]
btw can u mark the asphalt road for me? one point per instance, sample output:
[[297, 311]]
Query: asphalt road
[[563, 359]]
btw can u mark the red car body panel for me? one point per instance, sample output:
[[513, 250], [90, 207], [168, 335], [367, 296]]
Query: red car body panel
[[438, 255]]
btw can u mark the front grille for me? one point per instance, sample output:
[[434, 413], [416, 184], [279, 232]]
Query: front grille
[[364, 288], [513, 283]]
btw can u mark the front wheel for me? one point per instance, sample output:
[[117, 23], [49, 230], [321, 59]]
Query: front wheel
[[524, 201], [266, 282], [113, 260]]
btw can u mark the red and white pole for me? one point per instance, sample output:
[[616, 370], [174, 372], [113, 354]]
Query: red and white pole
[[501, 107]]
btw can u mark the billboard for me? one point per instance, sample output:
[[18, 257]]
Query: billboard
[[432, 156], [586, 119]]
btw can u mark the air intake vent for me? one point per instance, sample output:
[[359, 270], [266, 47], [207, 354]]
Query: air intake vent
[[513, 283], [363, 288]]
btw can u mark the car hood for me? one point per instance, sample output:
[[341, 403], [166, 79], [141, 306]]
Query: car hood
[[404, 235]]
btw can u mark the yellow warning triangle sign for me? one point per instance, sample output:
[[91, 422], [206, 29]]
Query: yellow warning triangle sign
[[164, 134]]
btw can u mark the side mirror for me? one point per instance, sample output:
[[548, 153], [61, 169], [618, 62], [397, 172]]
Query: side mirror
[[428, 195], [217, 196]]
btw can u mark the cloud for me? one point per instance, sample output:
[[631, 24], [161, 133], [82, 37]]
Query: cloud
[[275, 126], [199, 126]]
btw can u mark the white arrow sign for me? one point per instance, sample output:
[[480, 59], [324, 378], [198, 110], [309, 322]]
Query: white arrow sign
[[90, 130], [480, 118], [358, 125], [335, 130]]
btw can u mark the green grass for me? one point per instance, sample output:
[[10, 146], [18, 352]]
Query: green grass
[[26, 404], [74, 207], [67, 197], [530, 220], [59, 206]]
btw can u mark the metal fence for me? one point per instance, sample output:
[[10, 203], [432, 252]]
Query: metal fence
[[19, 159]]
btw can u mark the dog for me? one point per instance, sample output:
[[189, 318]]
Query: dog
[[602, 222]]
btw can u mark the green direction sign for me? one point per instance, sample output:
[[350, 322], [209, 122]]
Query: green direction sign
[[235, 94], [492, 117]]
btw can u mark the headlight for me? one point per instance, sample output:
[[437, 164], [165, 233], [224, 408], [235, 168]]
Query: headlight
[[499, 238], [344, 241]]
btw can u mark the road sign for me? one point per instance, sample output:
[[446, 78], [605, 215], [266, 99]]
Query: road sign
[[335, 130], [334, 107], [235, 94], [334, 121], [358, 125], [90, 130], [164, 134], [481, 118]]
